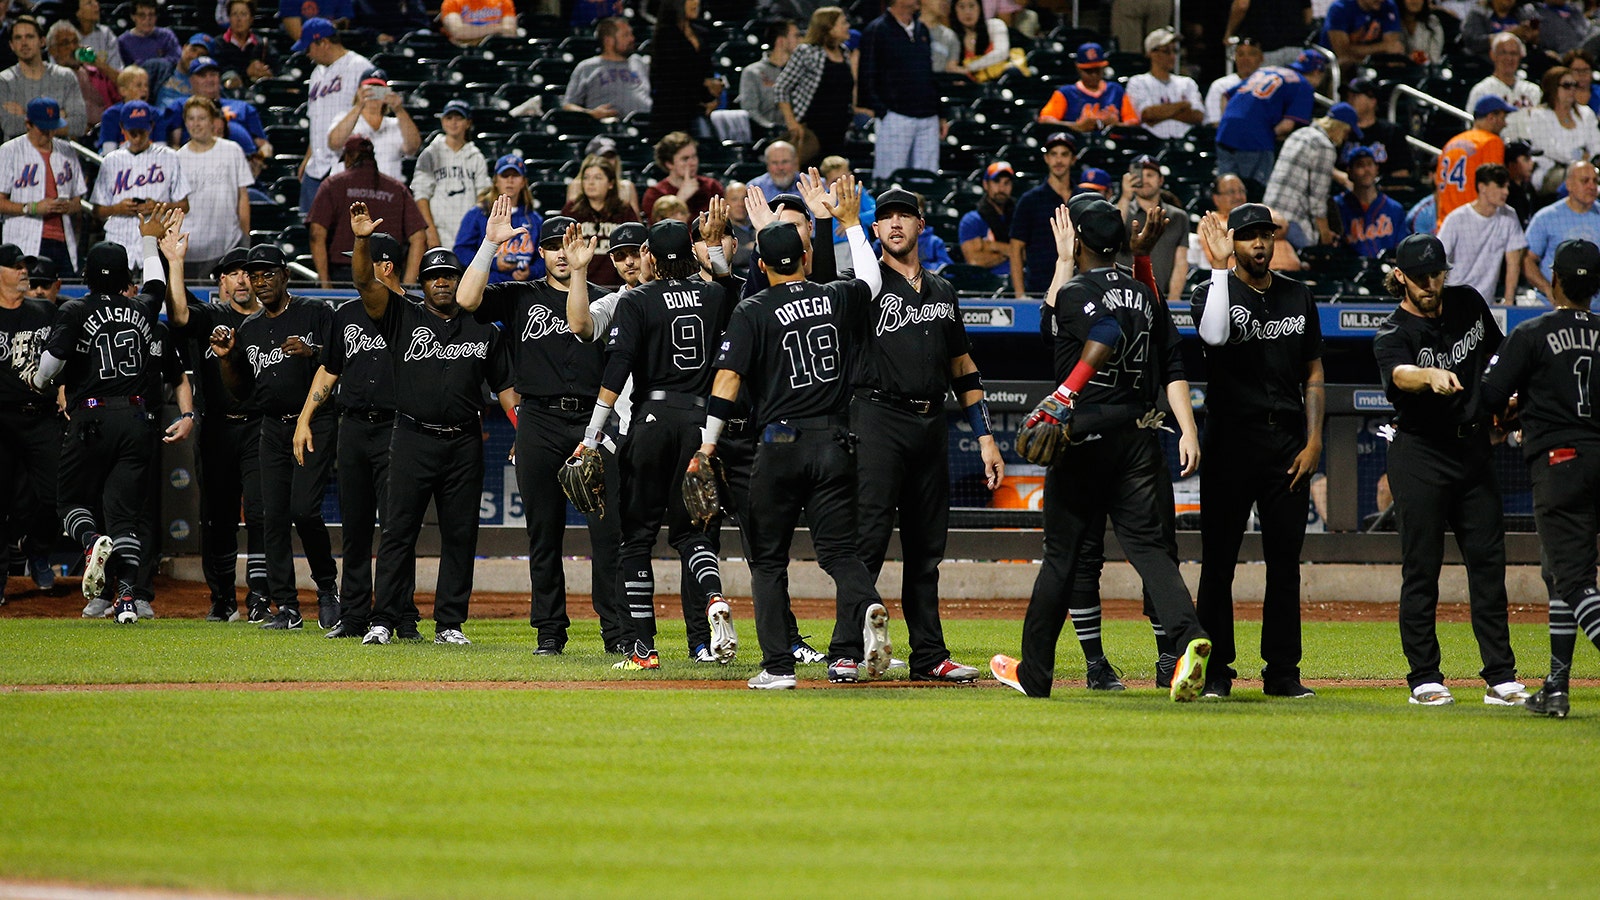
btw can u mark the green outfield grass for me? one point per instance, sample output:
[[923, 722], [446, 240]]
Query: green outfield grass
[[894, 793]]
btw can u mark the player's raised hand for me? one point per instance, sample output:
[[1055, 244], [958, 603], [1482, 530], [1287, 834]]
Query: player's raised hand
[[755, 204], [1216, 239], [1063, 232], [714, 222], [1143, 241], [173, 219], [175, 246], [361, 222], [499, 228], [221, 340], [153, 224], [578, 249], [816, 192], [847, 207]]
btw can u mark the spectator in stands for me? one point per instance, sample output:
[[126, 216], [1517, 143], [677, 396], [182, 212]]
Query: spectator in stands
[[684, 86], [1227, 191], [450, 174], [679, 155], [294, 15], [1303, 176], [240, 50], [944, 51], [1422, 32], [1131, 20], [1280, 26], [1561, 127], [97, 85], [42, 187], [1141, 195], [1492, 17], [96, 36], [1568, 219], [219, 179], [36, 76], [1357, 29], [669, 207], [1387, 140], [136, 177], [1091, 103], [1247, 58], [604, 146], [985, 44], [1581, 62], [175, 89], [783, 170], [132, 84], [896, 83], [613, 84], [146, 40], [1373, 222], [1093, 179], [740, 228], [1265, 109], [1424, 217], [758, 83], [598, 211], [386, 198], [379, 115], [517, 259], [1463, 154], [1506, 53], [1563, 26], [468, 22], [985, 233], [1033, 245], [334, 83], [1519, 162], [243, 122], [1484, 238], [816, 91], [44, 282], [832, 168], [1165, 103]]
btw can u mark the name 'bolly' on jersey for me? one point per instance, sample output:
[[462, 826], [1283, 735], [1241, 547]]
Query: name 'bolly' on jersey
[[1133, 373], [1550, 363]]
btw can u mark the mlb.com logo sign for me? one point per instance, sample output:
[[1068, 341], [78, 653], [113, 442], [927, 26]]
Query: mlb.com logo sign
[[1361, 319]]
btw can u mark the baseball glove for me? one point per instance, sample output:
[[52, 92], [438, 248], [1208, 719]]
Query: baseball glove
[[26, 348], [583, 479], [701, 494], [1045, 431]]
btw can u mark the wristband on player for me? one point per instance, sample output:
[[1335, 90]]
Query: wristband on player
[[712, 430], [717, 259], [484, 260], [978, 418], [597, 420], [512, 415]]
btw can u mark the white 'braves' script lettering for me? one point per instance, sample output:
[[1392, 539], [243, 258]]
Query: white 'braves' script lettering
[[1248, 328], [425, 345], [1428, 358], [357, 341], [543, 322], [897, 314]]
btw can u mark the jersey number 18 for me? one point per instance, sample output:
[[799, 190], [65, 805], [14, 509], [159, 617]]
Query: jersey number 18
[[814, 357]]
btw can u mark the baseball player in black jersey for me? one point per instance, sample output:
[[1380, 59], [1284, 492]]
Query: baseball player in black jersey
[[272, 358], [1262, 441], [1548, 365], [442, 357], [30, 428], [1110, 348], [230, 440], [170, 372], [104, 347], [787, 343], [557, 377], [1431, 352], [910, 349], [358, 362]]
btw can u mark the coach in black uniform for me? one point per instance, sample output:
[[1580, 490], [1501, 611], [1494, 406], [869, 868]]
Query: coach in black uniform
[[272, 357], [1262, 440], [106, 345], [558, 377], [1549, 364], [30, 428], [787, 341], [1432, 352], [910, 350]]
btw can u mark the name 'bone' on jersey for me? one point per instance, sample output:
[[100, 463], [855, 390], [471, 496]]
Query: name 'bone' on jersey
[[664, 334]]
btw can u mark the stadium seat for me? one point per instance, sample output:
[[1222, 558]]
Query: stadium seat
[[568, 125], [469, 68], [1126, 65], [550, 196], [278, 91], [544, 27], [290, 139], [550, 70], [272, 216], [956, 89], [286, 191], [973, 280], [577, 48], [427, 44]]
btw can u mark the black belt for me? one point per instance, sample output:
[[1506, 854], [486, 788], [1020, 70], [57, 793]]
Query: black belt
[[1470, 429], [410, 424], [817, 422], [33, 410], [901, 401], [375, 416], [241, 417], [566, 404], [1276, 418], [678, 397], [111, 402]]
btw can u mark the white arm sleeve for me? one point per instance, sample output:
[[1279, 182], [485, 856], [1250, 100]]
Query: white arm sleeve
[[1214, 321], [49, 368], [153, 269], [862, 260]]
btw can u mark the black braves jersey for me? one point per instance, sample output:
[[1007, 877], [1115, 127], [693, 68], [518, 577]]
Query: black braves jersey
[[35, 317], [904, 339], [664, 334], [212, 398], [785, 344], [1461, 340], [1272, 336], [1136, 371], [279, 382], [551, 361], [440, 365], [110, 345], [359, 355], [1551, 363]]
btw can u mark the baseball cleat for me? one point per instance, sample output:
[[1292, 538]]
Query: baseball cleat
[[948, 671], [146, 611], [639, 659], [805, 653], [1291, 688], [327, 608], [127, 613], [1431, 694], [285, 620], [344, 628], [451, 636], [1506, 693], [224, 610], [257, 608], [44, 577], [376, 634], [1004, 670], [97, 608], [702, 654], [1190, 678], [1102, 676], [1166, 664], [724, 639], [548, 646], [407, 631], [1550, 700], [843, 671], [767, 681], [875, 641], [94, 567]]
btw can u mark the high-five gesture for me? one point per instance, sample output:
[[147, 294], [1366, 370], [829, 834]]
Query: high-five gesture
[[154, 224], [579, 249], [817, 193], [714, 222], [1061, 228], [1216, 239], [755, 204], [175, 246], [1144, 240], [499, 228], [361, 223], [847, 208]]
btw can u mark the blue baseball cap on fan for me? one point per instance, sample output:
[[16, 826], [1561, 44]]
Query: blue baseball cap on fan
[[510, 161], [1490, 105], [45, 114], [313, 30], [137, 116], [1344, 112]]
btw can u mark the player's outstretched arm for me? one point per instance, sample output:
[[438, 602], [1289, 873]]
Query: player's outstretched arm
[[321, 389], [724, 391], [847, 210], [579, 252], [1061, 229], [374, 296], [1217, 240], [175, 248], [498, 230]]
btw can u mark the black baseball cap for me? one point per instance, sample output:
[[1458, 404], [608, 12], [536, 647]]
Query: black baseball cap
[[1080, 202], [779, 245], [1421, 255], [1064, 138], [42, 271], [1576, 257], [384, 248], [1361, 86], [12, 257], [1101, 229], [233, 259], [1518, 149], [788, 201], [439, 259], [628, 234], [899, 198], [1250, 215], [669, 239], [105, 267], [265, 256], [555, 228]]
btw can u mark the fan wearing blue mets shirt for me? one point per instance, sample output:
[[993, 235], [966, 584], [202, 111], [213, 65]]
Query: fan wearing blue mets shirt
[[1373, 222]]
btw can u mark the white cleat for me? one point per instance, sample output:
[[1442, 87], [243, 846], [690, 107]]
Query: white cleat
[[94, 567], [879, 656], [724, 638]]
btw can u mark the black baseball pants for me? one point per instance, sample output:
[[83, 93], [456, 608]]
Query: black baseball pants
[[545, 440], [1118, 476], [903, 467], [814, 474], [105, 461], [1246, 463], [230, 469], [447, 469], [291, 497], [1566, 509], [150, 528], [363, 455], [30, 456], [1441, 483]]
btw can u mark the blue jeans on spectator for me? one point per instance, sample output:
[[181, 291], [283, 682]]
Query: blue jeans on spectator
[[308, 193], [1254, 165]]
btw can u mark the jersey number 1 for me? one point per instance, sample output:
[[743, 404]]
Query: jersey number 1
[[815, 358], [1583, 367]]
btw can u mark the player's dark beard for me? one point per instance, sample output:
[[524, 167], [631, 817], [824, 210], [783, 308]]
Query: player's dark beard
[[906, 254], [1425, 301]]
